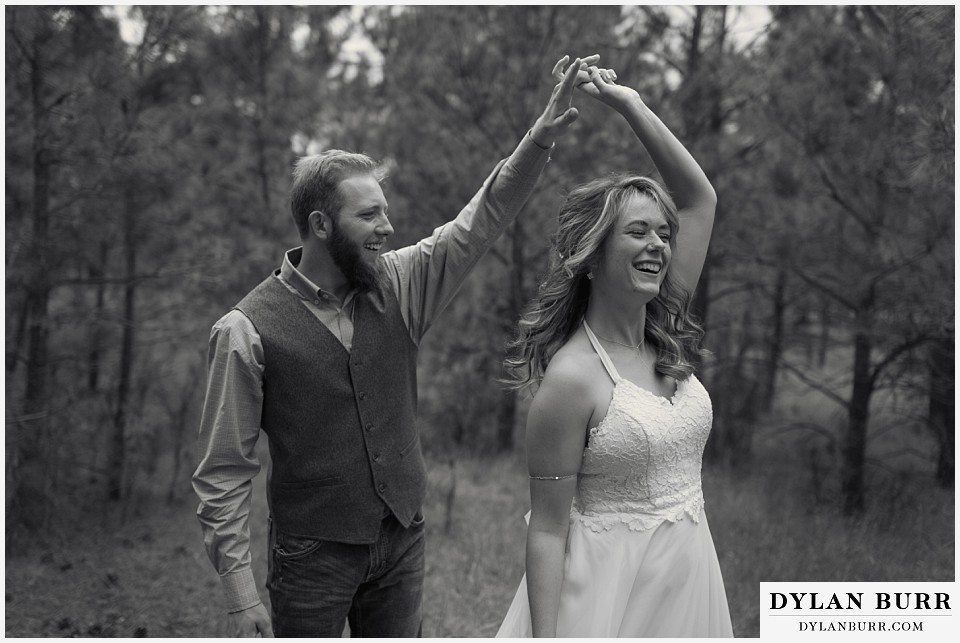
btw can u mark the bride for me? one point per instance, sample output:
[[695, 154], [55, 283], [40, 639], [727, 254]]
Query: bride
[[618, 542]]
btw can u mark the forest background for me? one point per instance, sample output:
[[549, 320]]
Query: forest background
[[146, 175]]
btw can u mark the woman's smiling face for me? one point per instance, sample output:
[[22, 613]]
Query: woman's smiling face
[[637, 253]]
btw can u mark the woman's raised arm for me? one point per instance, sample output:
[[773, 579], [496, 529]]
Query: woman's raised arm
[[687, 183]]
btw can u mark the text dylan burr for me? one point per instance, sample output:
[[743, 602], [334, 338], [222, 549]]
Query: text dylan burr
[[854, 601]]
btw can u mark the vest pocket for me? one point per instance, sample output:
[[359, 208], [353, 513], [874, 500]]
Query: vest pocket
[[327, 481], [405, 450]]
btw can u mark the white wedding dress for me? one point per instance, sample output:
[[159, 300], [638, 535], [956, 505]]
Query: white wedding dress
[[640, 560]]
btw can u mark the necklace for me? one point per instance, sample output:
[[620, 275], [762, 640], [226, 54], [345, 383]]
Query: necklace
[[635, 347]]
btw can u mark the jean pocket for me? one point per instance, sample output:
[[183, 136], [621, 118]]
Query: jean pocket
[[290, 547]]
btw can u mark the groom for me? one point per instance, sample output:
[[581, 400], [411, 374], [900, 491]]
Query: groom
[[322, 356]]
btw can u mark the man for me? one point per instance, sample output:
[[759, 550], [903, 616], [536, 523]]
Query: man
[[322, 357]]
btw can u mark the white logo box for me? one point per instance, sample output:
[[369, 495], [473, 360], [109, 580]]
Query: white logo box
[[859, 611]]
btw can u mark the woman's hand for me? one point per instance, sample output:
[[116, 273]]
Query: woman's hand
[[695, 198], [601, 84]]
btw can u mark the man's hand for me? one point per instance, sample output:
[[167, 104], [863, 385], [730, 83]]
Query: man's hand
[[250, 622], [559, 115]]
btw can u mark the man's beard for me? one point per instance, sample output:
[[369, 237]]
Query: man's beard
[[360, 274]]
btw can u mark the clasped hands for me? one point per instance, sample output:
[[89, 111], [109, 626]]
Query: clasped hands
[[583, 74]]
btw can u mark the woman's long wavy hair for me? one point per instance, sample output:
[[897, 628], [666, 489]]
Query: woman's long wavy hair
[[585, 221]]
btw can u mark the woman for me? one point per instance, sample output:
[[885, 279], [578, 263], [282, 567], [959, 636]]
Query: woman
[[618, 544]]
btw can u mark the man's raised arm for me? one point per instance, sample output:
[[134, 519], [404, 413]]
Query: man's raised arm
[[427, 275]]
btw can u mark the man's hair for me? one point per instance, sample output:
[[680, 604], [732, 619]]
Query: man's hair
[[316, 182]]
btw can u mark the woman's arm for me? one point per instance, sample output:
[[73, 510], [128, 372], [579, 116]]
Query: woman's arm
[[691, 190], [556, 434]]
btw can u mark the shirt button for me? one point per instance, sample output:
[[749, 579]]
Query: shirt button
[[362, 395], [316, 301], [357, 363]]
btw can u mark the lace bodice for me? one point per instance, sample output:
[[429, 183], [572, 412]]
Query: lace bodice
[[642, 463]]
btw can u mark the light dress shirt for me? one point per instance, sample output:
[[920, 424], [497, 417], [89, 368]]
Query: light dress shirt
[[425, 277]]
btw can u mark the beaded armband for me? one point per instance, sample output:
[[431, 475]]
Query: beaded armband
[[572, 475]]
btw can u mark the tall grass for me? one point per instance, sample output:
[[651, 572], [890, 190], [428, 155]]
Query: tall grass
[[151, 576], [766, 523], [766, 528], [475, 540]]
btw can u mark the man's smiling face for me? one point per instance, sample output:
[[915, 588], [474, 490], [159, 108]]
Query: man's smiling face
[[359, 230]]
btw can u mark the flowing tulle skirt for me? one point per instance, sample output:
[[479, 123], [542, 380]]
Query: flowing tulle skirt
[[662, 582]]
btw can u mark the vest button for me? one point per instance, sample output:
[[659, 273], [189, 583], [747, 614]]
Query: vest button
[[376, 457], [362, 395], [357, 363], [369, 427], [382, 487]]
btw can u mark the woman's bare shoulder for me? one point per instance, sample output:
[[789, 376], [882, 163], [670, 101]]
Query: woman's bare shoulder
[[573, 367]]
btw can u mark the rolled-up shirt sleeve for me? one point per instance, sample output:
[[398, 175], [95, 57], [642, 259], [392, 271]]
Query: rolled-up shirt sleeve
[[229, 428], [427, 275]]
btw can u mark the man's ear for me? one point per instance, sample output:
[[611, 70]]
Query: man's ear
[[319, 224]]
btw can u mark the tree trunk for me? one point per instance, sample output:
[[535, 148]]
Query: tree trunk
[[693, 53], [942, 413], [699, 307], [701, 302], [507, 413], [116, 465], [27, 476], [263, 104], [94, 356], [719, 386], [858, 414], [506, 421], [14, 356], [177, 463], [178, 405], [691, 107], [823, 345], [742, 417], [775, 349], [262, 171], [459, 428]]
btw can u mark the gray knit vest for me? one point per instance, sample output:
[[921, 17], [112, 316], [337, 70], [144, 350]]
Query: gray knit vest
[[341, 425]]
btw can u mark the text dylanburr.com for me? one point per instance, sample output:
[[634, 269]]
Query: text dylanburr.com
[[800, 611]]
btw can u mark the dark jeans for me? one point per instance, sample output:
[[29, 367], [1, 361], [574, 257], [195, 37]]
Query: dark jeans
[[315, 585]]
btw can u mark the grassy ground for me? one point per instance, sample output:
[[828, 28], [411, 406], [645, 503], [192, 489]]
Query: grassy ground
[[151, 576]]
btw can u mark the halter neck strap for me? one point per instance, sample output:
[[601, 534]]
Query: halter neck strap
[[607, 362]]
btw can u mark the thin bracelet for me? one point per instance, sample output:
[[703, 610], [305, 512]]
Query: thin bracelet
[[572, 475]]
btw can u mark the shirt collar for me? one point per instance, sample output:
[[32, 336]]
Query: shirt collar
[[306, 288]]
